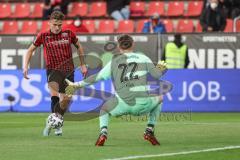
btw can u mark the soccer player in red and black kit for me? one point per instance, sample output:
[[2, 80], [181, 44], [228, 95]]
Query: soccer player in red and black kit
[[59, 63]]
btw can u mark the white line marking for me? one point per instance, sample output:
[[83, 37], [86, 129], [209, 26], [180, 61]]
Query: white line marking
[[176, 153]]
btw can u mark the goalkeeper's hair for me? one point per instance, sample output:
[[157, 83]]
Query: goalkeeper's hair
[[125, 41]]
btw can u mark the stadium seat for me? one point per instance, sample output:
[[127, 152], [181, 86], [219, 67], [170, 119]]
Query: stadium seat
[[155, 7], [194, 9], [137, 9], [22, 10], [29, 27], [67, 22], [229, 26], [78, 9], [238, 26], [168, 25], [175, 9], [90, 25], [125, 26], [10, 27], [198, 27], [45, 26], [5, 9], [185, 26], [37, 10], [106, 26], [97, 9], [140, 25]]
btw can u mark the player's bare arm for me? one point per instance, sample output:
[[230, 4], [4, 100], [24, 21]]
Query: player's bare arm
[[28, 57], [81, 57]]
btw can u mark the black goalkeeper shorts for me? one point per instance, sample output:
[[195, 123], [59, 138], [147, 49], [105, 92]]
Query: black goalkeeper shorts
[[59, 77]]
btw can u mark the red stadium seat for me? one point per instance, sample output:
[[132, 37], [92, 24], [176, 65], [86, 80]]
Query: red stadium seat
[[22, 10], [175, 9], [238, 26], [125, 26], [137, 9], [198, 27], [194, 9], [97, 9], [37, 10], [140, 25], [29, 27], [78, 9], [10, 27], [45, 26], [155, 7], [229, 26], [90, 25], [168, 25], [66, 23], [5, 9], [106, 26], [185, 26]]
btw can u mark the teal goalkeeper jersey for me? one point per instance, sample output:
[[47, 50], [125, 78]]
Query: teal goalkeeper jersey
[[129, 72]]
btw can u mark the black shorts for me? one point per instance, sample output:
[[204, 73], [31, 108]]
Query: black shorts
[[59, 77]]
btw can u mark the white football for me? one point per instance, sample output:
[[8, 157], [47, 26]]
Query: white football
[[55, 121]]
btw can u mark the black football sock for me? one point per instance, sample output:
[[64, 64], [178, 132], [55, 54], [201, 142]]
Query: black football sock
[[54, 102]]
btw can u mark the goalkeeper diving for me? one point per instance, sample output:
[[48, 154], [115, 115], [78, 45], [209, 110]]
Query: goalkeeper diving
[[128, 71]]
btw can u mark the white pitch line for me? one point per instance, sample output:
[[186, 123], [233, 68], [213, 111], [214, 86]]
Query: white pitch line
[[176, 153]]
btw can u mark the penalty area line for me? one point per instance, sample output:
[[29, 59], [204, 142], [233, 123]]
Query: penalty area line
[[176, 153]]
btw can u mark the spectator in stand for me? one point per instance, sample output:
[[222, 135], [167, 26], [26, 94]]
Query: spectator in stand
[[235, 9], [118, 9], [50, 5], [154, 25], [213, 17], [76, 26]]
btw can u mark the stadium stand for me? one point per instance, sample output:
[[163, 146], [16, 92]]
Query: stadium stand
[[175, 9], [155, 7], [78, 9], [229, 26], [177, 15], [90, 25], [5, 10], [10, 27], [22, 10], [29, 27], [137, 9], [194, 9], [125, 26], [185, 26], [140, 24], [37, 10], [169, 25], [106, 26], [98, 9]]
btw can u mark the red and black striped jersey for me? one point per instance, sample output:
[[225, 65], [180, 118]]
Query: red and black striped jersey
[[57, 49]]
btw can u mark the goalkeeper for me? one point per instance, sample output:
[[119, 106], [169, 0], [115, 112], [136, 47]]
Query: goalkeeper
[[128, 71]]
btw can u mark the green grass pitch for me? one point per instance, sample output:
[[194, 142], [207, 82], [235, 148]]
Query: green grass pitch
[[21, 137]]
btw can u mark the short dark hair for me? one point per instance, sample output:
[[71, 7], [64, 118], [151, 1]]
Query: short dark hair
[[125, 41], [58, 15]]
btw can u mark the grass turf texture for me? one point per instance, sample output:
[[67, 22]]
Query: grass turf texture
[[21, 137]]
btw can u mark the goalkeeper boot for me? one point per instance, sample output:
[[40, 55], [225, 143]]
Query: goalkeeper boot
[[149, 136], [101, 139], [58, 132], [47, 129]]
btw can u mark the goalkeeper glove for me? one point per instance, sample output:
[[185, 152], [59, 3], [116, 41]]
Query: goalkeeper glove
[[162, 65], [71, 88]]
